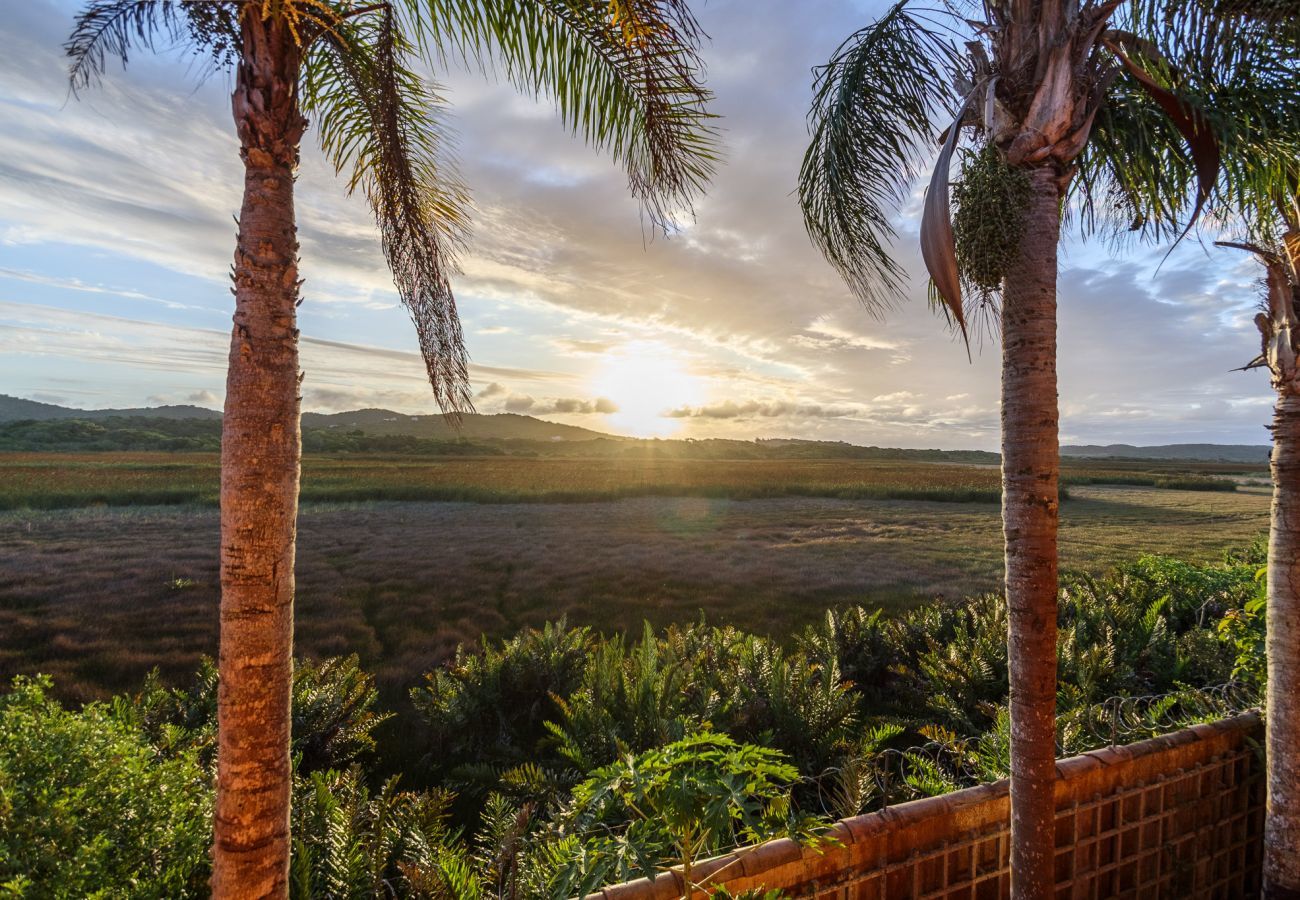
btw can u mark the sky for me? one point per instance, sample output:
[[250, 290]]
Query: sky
[[117, 229]]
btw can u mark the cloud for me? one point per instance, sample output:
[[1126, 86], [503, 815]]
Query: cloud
[[494, 389], [569, 345], [522, 403], [752, 409], [584, 407]]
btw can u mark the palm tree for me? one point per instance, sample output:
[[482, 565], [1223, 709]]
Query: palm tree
[[622, 73], [1279, 327], [1248, 69], [1033, 79]]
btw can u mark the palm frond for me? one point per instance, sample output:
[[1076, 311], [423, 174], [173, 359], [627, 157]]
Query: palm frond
[[107, 29], [382, 124], [1137, 170], [1216, 35], [625, 75], [872, 118]]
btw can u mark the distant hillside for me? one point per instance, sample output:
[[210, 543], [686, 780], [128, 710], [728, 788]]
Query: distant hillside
[[13, 409], [337, 432], [382, 422], [474, 426], [1236, 453]]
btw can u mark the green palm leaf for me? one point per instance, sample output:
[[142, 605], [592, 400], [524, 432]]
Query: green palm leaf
[[873, 116], [624, 75]]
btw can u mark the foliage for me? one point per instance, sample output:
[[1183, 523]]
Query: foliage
[[1148, 627], [487, 710], [350, 842], [584, 759], [333, 721], [1244, 630], [677, 804], [89, 808], [873, 108]]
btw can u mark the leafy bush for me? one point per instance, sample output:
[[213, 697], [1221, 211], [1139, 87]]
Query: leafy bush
[[487, 711], [676, 805], [534, 715], [1243, 631], [333, 713], [89, 808], [349, 842]]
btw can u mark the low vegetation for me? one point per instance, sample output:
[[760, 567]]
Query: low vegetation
[[98, 597], [449, 471], [560, 758]]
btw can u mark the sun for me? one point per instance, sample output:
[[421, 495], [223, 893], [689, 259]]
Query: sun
[[646, 380]]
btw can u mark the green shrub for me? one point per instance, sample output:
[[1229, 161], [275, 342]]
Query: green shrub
[[1242, 632], [676, 805], [89, 808], [333, 713], [352, 843]]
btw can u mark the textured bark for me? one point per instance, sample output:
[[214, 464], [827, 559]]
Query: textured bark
[[260, 456], [1030, 458], [1282, 825], [1281, 332]]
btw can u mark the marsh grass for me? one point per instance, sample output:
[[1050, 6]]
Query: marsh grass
[[69, 480], [99, 596]]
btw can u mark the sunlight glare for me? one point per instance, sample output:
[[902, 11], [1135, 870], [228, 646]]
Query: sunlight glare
[[646, 379]]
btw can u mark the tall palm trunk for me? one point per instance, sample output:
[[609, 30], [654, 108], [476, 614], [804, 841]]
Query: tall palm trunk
[[1030, 457], [260, 453], [1282, 825], [1282, 830]]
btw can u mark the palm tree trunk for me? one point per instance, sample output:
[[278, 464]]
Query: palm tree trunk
[[1030, 459], [260, 451], [1282, 827]]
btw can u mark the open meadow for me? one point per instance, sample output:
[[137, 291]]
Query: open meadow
[[97, 594], [67, 480]]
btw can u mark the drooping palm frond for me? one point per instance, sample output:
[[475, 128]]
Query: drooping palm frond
[[108, 29], [625, 75], [383, 126], [872, 119]]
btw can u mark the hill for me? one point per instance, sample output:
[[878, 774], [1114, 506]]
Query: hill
[[14, 409], [375, 422], [194, 427], [474, 426], [1234, 453]]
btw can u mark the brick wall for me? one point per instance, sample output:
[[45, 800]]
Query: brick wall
[[1178, 816]]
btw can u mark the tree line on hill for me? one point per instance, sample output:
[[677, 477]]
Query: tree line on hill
[[141, 433]]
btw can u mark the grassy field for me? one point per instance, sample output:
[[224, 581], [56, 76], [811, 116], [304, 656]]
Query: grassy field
[[69, 480], [99, 595]]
